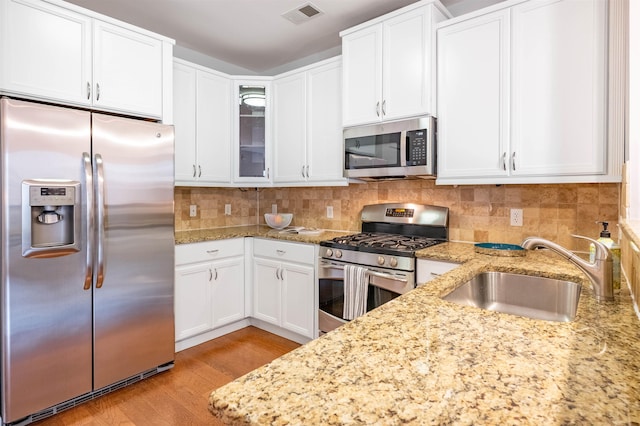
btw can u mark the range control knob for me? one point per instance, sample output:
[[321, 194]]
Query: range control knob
[[393, 262], [329, 252], [338, 254], [380, 260]]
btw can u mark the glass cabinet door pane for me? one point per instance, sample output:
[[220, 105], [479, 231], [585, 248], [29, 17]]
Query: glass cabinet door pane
[[252, 131]]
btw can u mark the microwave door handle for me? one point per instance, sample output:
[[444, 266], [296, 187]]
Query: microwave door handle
[[403, 148]]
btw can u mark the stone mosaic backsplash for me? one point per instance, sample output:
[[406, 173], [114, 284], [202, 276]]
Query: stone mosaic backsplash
[[477, 213]]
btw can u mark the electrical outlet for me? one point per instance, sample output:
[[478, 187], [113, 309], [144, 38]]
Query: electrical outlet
[[274, 209], [516, 217], [227, 209], [193, 210], [330, 212]]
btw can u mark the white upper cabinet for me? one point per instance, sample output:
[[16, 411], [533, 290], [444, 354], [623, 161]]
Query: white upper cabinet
[[57, 52], [533, 109], [473, 106], [558, 98], [127, 70], [289, 130], [252, 131], [202, 118], [36, 63], [388, 65], [308, 126]]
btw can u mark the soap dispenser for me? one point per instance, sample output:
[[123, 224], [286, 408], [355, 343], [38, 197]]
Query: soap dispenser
[[605, 238]]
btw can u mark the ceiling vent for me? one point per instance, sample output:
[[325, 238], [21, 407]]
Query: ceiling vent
[[302, 13]]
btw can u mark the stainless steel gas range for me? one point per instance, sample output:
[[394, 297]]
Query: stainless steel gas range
[[384, 250]]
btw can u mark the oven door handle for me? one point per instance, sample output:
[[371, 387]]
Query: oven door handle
[[372, 273]]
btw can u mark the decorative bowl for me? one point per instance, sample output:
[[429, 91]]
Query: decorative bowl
[[278, 220]]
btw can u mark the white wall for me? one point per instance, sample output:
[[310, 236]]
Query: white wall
[[634, 110]]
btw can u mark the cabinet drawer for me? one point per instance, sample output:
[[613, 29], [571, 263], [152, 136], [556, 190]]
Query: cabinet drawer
[[209, 250], [290, 252]]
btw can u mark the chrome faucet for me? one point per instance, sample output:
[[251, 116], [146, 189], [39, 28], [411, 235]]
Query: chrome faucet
[[600, 272]]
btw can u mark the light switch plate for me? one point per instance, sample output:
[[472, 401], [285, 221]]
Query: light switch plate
[[193, 210], [227, 209]]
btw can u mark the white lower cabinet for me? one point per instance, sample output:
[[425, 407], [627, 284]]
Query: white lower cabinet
[[427, 269], [209, 286], [284, 285]]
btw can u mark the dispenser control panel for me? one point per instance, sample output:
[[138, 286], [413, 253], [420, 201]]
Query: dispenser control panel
[[51, 218], [52, 195]]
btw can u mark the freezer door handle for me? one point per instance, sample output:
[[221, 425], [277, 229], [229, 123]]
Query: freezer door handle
[[88, 176], [99, 169]]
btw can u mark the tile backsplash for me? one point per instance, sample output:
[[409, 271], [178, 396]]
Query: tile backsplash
[[477, 213]]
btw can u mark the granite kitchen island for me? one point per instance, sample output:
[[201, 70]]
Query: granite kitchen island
[[421, 360]]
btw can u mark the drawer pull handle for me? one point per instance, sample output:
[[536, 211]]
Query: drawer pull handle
[[280, 252], [212, 252]]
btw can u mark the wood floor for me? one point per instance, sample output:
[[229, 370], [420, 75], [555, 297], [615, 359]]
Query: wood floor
[[180, 396]]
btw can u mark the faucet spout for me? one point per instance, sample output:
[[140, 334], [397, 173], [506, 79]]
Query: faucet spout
[[600, 272]]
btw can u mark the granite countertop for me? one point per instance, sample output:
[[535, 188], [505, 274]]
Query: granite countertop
[[421, 360], [200, 235]]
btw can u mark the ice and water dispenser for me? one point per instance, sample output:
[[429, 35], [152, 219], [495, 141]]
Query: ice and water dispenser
[[51, 218]]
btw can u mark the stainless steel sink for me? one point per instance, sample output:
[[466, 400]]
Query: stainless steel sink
[[523, 295]]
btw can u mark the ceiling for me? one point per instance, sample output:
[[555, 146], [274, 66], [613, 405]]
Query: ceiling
[[252, 34]]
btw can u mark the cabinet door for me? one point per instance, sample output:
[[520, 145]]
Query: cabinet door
[[290, 112], [184, 116], [406, 85], [427, 270], [193, 313], [325, 154], [213, 126], [228, 291], [45, 51], [127, 71], [473, 106], [266, 290], [298, 299], [559, 87], [252, 127], [362, 76]]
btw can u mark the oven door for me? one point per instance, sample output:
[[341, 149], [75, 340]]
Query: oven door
[[384, 285]]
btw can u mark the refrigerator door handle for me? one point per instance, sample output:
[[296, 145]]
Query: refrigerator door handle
[[88, 176], [100, 216]]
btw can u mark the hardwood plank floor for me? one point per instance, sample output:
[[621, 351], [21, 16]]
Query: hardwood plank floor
[[180, 396]]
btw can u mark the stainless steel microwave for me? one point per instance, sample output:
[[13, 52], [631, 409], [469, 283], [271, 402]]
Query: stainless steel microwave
[[394, 150]]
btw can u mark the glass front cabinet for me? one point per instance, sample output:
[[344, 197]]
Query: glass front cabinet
[[252, 122]]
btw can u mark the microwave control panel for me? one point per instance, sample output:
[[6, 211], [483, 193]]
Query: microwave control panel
[[417, 147]]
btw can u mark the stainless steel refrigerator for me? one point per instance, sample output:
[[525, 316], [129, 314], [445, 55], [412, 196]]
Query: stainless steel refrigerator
[[87, 255]]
